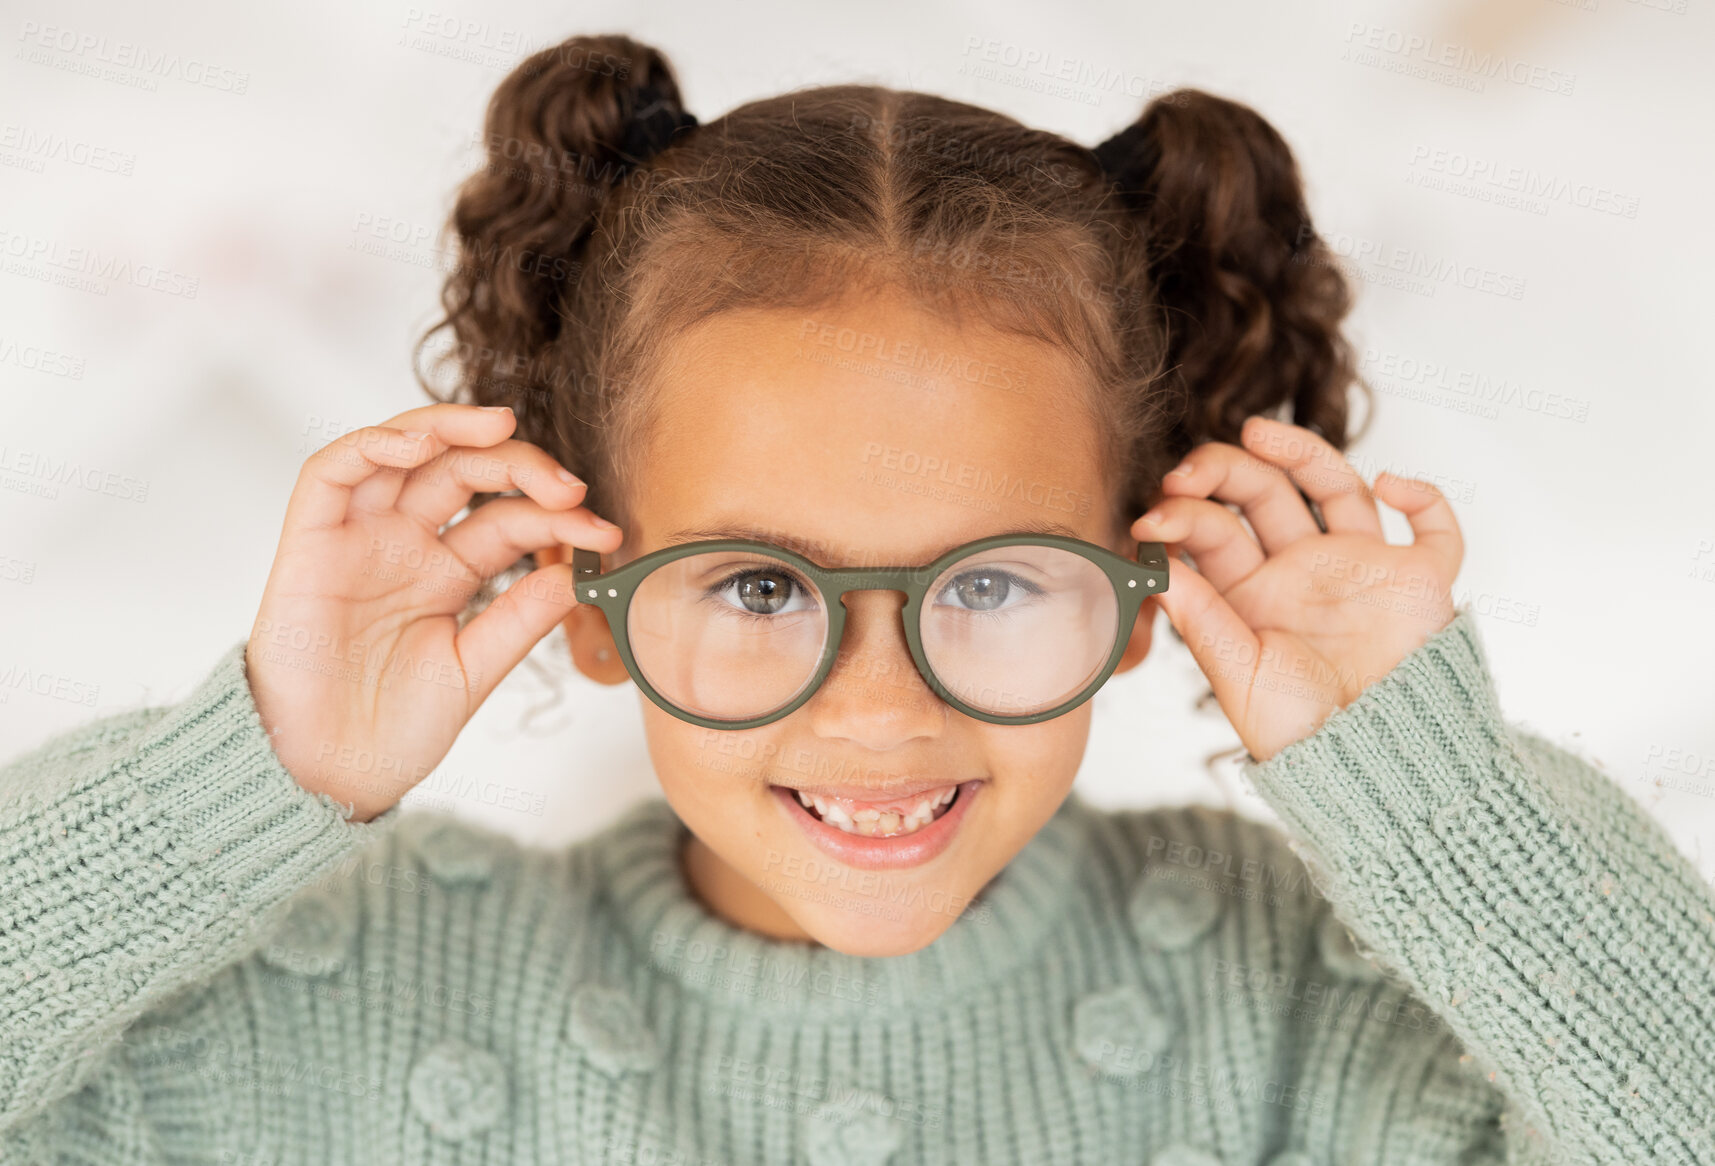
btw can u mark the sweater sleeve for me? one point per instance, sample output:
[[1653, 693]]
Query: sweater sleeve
[[139, 855], [1545, 917]]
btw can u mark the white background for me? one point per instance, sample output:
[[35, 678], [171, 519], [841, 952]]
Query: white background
[[1591, 538]]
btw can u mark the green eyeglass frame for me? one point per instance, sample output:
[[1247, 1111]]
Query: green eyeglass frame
[[1132, 581]]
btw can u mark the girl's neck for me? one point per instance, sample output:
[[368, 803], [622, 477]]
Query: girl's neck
[[733, 898]]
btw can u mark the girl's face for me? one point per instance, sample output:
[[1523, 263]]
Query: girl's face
[[874, 434]]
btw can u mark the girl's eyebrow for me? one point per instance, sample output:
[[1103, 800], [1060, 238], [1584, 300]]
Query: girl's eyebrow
[[817, 551]]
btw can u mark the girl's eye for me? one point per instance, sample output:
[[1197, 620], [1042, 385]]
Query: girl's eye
[[762, 592], [986, 589]]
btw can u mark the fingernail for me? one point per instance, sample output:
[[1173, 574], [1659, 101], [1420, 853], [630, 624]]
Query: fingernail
[[598, 520], [415, 434], [497, 408], [1153, 517], [1181, 470], [570, 478]]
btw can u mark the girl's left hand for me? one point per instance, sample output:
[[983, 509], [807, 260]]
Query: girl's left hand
[[1293, 629]]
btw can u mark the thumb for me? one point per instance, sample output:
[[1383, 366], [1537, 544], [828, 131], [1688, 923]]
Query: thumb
[[493, 643], [1224, 646]]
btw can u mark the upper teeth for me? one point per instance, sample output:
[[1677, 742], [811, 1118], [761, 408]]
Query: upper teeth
[[871, 822]]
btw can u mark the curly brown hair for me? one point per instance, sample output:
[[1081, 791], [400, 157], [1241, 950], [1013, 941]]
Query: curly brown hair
[[1177, 259]]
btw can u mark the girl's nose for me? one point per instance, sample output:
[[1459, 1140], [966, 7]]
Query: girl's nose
[[874, 695]]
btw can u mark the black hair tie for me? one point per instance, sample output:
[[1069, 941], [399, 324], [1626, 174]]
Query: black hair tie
[[651, 128], [1129, 159]]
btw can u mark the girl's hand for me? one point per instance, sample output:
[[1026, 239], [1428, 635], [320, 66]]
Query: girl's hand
[[1295, 628], [357, 662]]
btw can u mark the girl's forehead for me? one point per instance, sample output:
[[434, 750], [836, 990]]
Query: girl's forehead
[[891, 458], [842, 500], [912, 392]]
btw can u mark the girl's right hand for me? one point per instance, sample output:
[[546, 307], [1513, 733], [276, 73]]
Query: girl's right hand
[[357, 663]]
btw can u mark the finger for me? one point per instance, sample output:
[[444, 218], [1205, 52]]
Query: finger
[[1225, 552], [377, 493], [1271, 503], [501, 532], [503, 633], [476, 425], [1224, 646], [443, 487], [458, 426], [322, 495], [1322, 472], [471, 426], [1433, 524]]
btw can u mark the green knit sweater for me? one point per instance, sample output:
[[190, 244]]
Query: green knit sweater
[[202, 962]]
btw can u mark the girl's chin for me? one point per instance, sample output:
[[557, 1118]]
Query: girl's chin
[[871, 937], [860, 913]]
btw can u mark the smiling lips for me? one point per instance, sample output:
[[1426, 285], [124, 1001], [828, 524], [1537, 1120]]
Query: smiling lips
[[886, 818], [906, 828]]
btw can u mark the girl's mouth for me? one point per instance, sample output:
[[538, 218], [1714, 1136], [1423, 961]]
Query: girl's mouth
[[880, 831], [879, 819]]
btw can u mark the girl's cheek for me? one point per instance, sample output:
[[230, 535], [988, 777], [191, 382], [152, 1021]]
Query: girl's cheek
[[1042, 757]]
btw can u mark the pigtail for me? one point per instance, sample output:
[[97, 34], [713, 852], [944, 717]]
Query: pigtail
[[563, 131], [1250, 295]]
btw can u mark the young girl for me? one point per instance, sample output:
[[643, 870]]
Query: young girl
[[911, 418]]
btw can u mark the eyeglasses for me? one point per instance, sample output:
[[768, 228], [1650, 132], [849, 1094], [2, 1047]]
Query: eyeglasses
[[734, 633]]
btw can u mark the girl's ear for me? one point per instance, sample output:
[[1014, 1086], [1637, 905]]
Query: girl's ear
[[591, 640], [1142, 636]]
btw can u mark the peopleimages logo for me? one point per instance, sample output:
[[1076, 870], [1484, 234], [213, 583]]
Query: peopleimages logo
[[1054, 73], [905, 354], [1363, 253], [1422, 55], [1466, 389], [34, 472], [894, 460], [1485, 178], [42, 146], [85, 52], [42, 258]]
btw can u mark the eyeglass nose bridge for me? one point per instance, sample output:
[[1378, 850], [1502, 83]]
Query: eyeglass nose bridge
[[912, 582], [842, 581]]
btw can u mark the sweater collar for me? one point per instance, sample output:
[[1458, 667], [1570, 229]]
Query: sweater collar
[[680, 938]]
